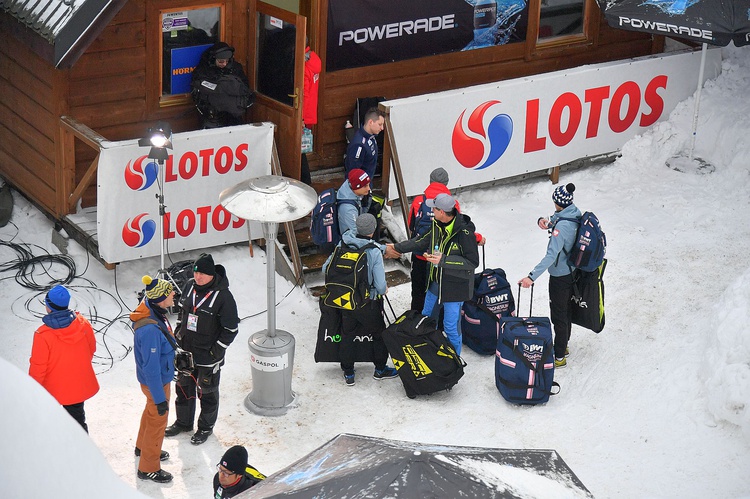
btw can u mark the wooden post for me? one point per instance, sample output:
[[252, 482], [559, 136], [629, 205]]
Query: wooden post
[[397, 172], [554, 174]]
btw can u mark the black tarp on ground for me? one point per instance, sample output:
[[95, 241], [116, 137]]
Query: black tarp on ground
[[354, 466]]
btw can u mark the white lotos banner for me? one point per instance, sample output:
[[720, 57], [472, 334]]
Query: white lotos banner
[[498, 130], [201, 165]]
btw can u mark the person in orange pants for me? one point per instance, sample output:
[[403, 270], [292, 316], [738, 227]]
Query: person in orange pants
[[154, 360]]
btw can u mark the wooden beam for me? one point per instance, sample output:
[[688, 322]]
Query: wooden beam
[[81, 131], [291, 237], [83, 184], [397, 172]]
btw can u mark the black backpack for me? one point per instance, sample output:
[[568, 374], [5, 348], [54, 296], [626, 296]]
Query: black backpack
[[347, 285]]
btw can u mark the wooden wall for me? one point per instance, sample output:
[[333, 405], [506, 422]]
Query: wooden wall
[[29, 105], [340, 89], [107, 89], [109, 83]]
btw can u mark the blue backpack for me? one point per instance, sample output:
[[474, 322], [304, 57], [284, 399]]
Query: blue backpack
[[588, 251], [422, 220], [324, 220]]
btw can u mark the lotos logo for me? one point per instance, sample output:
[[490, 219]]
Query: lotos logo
[[139, 177], [138, 232], [477, 147]]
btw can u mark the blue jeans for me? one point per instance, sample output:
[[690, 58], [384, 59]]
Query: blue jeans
[[451, 317]]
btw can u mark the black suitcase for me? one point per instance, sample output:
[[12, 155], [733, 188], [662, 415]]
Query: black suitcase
[[424, 358], [329, 338]]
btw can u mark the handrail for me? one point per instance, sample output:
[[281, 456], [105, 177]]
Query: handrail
[[68, 196]]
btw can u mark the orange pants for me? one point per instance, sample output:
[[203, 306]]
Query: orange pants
[[151, 433]]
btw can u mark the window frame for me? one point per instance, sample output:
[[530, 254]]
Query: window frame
[[155, 100]]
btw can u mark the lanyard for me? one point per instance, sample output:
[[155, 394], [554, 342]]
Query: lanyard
[[195, 307]]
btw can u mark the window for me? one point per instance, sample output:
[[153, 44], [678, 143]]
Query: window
[[185, 35], [561, 18]]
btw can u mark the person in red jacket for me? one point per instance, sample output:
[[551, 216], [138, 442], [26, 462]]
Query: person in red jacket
[[61, 355], [313, 66]]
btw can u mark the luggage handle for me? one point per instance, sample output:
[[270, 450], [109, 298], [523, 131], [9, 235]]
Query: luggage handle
[[382, 310], [531, 300]]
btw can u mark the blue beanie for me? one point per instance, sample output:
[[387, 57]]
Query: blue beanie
[[58, 298], [563, 195]]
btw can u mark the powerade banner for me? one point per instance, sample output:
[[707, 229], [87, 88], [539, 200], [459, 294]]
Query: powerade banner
[[499, 130], [368, 32], [201, 165]]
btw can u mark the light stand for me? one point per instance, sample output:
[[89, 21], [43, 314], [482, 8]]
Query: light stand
[[159, 138]]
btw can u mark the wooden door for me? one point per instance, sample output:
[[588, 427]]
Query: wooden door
[[277, 76]]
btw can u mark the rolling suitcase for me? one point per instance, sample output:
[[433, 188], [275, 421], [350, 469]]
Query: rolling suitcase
[[424, 358], [480, 316], [525, 359]]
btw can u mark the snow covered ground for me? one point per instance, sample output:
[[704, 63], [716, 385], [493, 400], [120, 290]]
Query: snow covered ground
[[657, 405]]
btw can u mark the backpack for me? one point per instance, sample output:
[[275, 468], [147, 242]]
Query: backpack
[[422, 220], [590, 245], [347, 285], [324, 220], [225, 94]]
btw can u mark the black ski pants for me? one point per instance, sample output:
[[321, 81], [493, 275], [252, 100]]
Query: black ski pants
[[561, 310], [77, 412], [203, 385], [361, 322]]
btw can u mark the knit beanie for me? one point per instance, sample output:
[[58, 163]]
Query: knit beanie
[[157, 290], [439, 175], [235, 459], [366, 224], [358, 178], [205, 264], [563, 195], [58, 298]]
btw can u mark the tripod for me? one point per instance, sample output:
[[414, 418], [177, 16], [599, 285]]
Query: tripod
[[160, 139], [163, 272]]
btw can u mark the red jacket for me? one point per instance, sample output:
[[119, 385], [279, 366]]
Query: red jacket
[[313, 66], [61, 361]]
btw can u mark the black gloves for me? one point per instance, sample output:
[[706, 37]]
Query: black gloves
[[217, 351], [162, 408]]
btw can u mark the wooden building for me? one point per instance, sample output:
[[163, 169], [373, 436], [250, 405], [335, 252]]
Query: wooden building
[[76, 72]]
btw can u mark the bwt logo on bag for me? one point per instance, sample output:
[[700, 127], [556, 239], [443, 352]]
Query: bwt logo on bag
[[139, 177], [476, 146], [138, 231]]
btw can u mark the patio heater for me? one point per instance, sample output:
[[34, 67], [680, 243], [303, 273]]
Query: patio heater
[[270, 200]]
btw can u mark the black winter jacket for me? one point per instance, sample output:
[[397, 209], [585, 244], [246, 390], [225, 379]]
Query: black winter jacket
[[455, 272], [217, 319]]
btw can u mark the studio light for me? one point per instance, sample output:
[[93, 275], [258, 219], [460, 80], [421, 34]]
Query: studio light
[[160, 139]]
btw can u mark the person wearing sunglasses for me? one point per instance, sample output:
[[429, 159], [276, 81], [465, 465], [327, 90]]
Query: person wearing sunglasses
[[233, 474]]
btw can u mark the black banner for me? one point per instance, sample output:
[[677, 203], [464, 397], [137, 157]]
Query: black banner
[[368, 32]]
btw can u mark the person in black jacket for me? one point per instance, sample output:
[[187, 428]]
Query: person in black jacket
[[234, 475], [450, 246], [220, 88], [207, 324]]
